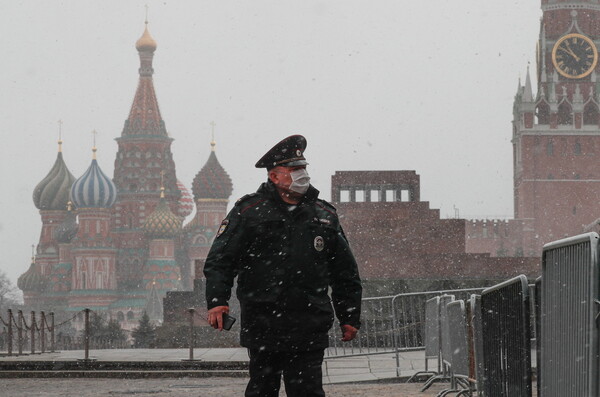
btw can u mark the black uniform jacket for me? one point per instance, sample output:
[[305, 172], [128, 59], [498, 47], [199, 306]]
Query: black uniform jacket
[[285, 258]]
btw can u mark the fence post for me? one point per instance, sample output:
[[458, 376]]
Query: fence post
[[43, 332], [9, 347], [52, 341], [191, 311], [32, 331], [86, 336], [20, 329]]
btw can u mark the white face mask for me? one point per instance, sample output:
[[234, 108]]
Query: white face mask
[[300, 181]]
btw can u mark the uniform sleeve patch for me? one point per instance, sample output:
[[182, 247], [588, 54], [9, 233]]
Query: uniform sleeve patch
[[223, 227]]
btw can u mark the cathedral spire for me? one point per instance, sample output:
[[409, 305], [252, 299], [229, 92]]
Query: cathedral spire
[[528, 92], [144, 116]]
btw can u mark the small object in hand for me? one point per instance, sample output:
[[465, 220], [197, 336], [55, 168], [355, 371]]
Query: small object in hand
[[349, 332], [228, 321]]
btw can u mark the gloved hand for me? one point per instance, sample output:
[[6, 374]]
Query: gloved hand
[[215, 316], [349, 332]]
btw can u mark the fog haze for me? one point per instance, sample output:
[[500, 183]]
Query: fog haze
[[377, 85]]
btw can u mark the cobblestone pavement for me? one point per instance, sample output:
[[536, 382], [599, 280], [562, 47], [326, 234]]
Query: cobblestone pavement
[[207, 387]]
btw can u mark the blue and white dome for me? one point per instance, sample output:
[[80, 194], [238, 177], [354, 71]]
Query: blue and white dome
[[93, 189]]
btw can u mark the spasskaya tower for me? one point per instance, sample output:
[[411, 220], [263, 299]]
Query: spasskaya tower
[[556, 133]]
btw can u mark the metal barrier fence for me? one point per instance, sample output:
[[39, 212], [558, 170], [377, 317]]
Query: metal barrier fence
[[568, 342], [432, 336], [444, 350], [459, 345], [390, 324], [477, 329], [505, 310]]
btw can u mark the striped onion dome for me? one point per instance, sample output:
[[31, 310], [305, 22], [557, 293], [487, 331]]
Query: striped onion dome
[[93, 189], [52, 193], [162, 223], [31, 280], [212, 182], [186, 202]]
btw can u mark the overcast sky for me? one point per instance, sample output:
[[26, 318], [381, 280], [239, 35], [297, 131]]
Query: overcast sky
[[373, 85]]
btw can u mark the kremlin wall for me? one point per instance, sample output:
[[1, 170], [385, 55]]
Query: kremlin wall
[[120, 246]]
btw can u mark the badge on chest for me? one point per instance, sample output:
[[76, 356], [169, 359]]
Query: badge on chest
[[319, 243]]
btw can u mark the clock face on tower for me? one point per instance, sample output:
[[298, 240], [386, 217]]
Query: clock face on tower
[[574, 56]]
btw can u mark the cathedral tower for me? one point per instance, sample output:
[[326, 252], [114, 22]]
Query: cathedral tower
[[556, 132], [211, 187], [93, 282], [143, 159], [51, 197]]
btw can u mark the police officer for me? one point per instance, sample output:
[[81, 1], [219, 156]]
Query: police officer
[[287, 249]]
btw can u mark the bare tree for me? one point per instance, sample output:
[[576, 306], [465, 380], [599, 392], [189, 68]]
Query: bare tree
[[9, 294]]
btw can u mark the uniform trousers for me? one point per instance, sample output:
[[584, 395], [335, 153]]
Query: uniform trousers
[[302, 373]]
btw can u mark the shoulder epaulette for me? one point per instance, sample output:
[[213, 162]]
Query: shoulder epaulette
[[246, 197], [327, 206]]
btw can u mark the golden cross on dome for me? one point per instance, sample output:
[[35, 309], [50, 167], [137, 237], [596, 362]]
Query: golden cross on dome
[[212, 142], [94, 133], [146, 14], [33, 253], [60, 123]]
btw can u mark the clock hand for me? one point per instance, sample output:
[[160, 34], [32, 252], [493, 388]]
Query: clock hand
[[571, 51]]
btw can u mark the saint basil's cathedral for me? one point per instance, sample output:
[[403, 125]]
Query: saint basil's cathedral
[[117, 246]]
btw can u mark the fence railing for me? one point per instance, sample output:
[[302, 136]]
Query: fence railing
[[390, 324], [38, 334], [506, 332], [568, 315]]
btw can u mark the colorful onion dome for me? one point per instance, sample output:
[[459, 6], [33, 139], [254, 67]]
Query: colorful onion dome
[[212, 182], [68, 228], [162, 223], [186, 201], [93, 189], [52, 193], [31, 280], [146, 42]]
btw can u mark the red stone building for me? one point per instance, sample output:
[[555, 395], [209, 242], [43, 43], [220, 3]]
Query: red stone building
[[395, 236]]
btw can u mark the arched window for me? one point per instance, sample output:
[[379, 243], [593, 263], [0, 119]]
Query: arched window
[[83, 280], [99, 281], [591, 116], [577, 148], [130, 315], [542, 112], [120, 317], [550, 148], [565, 114]]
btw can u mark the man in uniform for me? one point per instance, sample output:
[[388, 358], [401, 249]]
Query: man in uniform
[[287, 248]]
